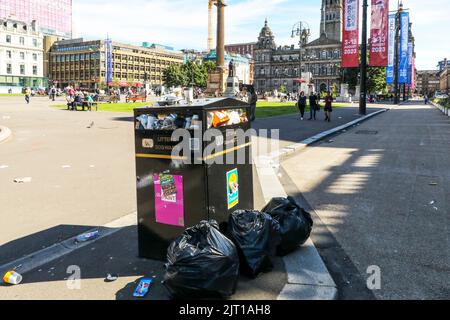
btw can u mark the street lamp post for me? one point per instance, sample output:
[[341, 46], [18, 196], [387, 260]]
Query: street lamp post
[[301, 29], [363, 97]]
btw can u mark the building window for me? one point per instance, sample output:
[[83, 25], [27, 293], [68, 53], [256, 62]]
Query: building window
[[22, 69], [34, 57], [35, 70], [35, 43], [22, 55], [22, 40], [8, 38], [8, 54], [9, 68]]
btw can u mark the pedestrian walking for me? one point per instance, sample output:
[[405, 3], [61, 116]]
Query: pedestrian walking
[[53, 93], [253, 99], [27, 95], [302, 104], [313, 106], [328, 106], [426, 99]]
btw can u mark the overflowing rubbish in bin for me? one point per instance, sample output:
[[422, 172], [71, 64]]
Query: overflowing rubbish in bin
[[202, 264], [171, 120], [256, 236], [295, 223], [182, 176]]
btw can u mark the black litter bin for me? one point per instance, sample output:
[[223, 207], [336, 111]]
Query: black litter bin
[[177, 190]]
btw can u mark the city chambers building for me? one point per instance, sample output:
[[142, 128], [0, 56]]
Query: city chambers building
[[84, 64], [277, 66]]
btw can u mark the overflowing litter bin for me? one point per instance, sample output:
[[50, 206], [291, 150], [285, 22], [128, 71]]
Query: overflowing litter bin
[[182, 181]]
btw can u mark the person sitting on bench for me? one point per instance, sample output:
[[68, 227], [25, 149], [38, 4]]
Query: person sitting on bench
[[77, 102], [89, 102], [69, 99]]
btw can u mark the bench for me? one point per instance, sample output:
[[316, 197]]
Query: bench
[[83, 105], [136, 97], [109, 99]]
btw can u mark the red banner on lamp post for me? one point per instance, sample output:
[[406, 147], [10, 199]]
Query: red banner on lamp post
[[379, 33], [350, 43]]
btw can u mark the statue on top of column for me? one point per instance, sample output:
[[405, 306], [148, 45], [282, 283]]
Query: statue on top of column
[[231, 69]]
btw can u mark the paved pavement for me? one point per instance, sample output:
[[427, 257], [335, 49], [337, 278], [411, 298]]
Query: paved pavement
[[293, 130], [86, 175], [381, 192], [117, 254], [59, 202]]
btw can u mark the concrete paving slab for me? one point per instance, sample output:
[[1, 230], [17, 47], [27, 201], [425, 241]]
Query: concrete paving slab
[[372, 192], [305, 267], [307, 292]]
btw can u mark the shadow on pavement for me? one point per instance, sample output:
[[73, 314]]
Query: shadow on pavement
[[21, 247], [381, 190], [117, 254]]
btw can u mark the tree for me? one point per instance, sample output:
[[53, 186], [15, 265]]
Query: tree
[[193, 74], [351, 77], [376, 79], [209, 66], [174, 76], [188, 74]]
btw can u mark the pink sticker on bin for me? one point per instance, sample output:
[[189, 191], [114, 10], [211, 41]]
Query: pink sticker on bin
[[169, 200]]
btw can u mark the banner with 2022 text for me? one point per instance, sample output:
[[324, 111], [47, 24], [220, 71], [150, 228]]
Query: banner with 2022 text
[[379, 33], [350, 43]]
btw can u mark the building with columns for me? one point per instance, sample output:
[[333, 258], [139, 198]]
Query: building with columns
[[277, 66]]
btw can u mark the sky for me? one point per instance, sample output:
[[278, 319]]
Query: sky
[[183, 24]]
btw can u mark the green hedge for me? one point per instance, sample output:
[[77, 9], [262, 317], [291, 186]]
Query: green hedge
[[443, 102]]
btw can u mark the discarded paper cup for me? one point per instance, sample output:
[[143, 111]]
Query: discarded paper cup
[[12, 277]]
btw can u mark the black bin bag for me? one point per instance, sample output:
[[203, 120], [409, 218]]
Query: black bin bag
[[202, 264], [256, 236], [295, 223]]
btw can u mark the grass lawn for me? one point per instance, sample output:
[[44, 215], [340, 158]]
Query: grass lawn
[[113, 107], [264, 109], [267, 109]]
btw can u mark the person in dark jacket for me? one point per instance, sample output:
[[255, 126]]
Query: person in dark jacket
[[313, 106], [253, 99], [328, 106], [77, 102], [302, 104]]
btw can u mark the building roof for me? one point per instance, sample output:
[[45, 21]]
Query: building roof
[[266, 31], [229, 56], [323, 41], [436, 72], [240, 44]]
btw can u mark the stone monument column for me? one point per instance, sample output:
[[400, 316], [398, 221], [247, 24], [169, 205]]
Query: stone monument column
[[220, 49], [216, 78]]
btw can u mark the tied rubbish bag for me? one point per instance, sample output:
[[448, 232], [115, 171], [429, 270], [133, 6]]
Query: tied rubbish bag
[[256, 236], [295, 223], [202, 264]]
